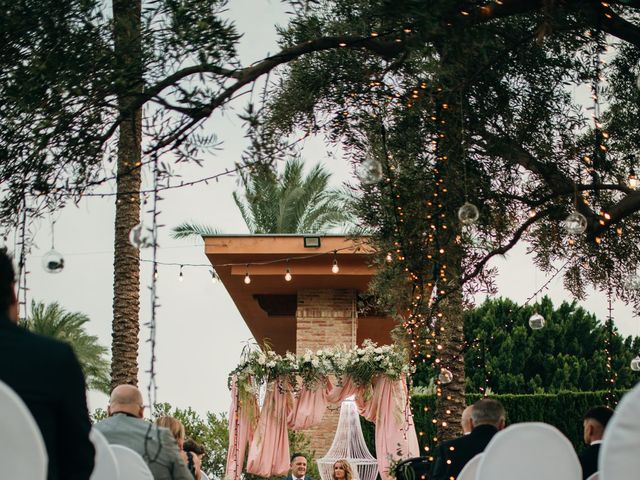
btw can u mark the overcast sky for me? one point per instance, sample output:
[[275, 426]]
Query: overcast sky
[[200, 334]]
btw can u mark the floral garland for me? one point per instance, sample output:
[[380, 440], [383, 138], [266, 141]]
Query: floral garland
[[361, 364]]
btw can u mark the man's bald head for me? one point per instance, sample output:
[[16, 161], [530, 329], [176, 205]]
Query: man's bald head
[[465, 420], [126, 399]]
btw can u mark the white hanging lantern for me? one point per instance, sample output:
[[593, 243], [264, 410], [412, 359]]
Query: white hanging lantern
[[575, 223], [53, 261], [445, 376], [536, 321], [468, 214], [370, 170], [635, 364]]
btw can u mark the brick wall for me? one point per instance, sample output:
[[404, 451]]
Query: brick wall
[[325, 318]]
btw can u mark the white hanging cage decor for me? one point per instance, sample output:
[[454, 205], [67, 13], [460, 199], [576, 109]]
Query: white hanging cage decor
[[348, 444]]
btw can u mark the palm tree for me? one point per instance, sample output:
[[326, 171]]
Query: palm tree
[[53, 321], [291, 203]]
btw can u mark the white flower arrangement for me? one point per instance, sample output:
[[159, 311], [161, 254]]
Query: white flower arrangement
[[310, 369]]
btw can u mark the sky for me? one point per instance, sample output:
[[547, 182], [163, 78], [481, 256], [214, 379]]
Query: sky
[[200, 334]]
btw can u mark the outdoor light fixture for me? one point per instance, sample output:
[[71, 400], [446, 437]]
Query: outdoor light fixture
[[311, 242]]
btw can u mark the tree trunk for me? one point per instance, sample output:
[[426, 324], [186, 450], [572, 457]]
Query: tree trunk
[[126, 282]]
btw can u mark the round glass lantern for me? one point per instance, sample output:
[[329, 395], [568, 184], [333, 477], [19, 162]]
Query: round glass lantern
[[468, 214], [445, 376], [575, 223], [536, 321], [53, 261]]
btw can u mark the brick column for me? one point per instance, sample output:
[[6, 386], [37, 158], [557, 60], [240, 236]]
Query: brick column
[[325, 318]]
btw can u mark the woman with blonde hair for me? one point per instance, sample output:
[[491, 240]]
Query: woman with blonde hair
[[342, 471], [176, 428]]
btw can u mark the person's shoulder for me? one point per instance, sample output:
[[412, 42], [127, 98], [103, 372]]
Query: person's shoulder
[[52, 346]]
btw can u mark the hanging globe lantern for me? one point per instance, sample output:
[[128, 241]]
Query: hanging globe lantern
[[575, 223], [370, 170], [536, 321], [53, 261], [638, 81], [445, 376], [140, 236], [468, 214], [635, 364], [632, 282]]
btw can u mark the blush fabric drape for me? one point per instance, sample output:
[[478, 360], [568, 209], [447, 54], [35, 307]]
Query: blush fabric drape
[[242, 416], [384, 402]]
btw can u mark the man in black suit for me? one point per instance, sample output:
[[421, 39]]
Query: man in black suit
[[298, 468], [594, 423], [46, 375], [487, 417]]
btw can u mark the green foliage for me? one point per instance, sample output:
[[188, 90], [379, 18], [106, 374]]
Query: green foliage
[[287, 203], [563, 410], [53, 321]]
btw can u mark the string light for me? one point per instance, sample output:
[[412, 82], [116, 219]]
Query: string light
[[180, 275], [247, 278], [214, 276], [335, 268], [287, 275]]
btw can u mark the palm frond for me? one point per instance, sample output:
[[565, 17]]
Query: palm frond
[[193, 230]]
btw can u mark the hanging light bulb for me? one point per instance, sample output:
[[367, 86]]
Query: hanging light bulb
[[53, 261], [445, 376], [140, 236], [180, 275], [389, 258], [335, 268], [536, 321], [575, 223], [370, 170], [287, 275], [214, 277], [468, 214], [247, 278], [635, 364], [632, 179]]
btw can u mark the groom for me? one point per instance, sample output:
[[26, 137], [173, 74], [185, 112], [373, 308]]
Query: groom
[[298, 468]]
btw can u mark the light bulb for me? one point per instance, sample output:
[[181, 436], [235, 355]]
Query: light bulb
[[247, 278], [632, 179], [388, 258], [335, 268], [181, 277], [287, 276], [214, 277]]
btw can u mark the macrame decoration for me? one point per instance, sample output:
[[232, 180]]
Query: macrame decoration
[[348, 444]]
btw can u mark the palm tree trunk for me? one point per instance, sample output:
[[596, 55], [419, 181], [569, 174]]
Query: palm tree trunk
[[126, 283]]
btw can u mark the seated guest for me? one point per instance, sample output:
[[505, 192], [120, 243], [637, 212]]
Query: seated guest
[[487, 417], [156, 445], [465, 420], [594, 422], [46, 375], [298, 468], [176, 428]]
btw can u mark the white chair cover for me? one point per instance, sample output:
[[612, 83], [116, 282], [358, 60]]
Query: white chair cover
[[470, 470], [594, 476], [619, 457], [529, 451], [132, 466], [203, 476], [106, 467], [23, 454]]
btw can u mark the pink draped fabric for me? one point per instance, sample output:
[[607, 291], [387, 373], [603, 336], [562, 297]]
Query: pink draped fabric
[[269, 450], [395, 435], [309, 407], [242, 417]]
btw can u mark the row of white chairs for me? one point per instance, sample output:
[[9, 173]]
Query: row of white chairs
[[23, 454], [533, 451]]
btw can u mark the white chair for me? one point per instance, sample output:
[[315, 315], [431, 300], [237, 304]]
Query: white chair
[[594, 476], [470, 470], [106, 467], [529, 451], [131, 464], [23, 454], [203, 476], [619, 457]]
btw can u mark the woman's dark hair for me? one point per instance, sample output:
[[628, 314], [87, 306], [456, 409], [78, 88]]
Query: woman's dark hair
[[7, 279], [190, 445]]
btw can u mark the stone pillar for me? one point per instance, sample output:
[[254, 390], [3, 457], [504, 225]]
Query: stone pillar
[[325, 318]]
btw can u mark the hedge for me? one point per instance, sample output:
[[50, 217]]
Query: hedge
[[562, 410]]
